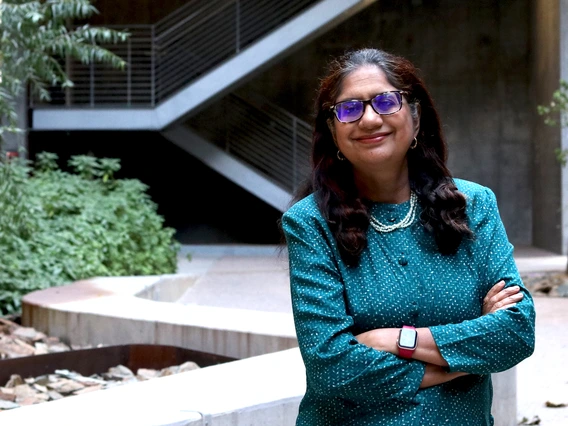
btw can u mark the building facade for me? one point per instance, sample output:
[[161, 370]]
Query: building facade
[[225, 90]]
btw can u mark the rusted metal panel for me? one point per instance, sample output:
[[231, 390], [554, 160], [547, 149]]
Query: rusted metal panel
[[99, 360]]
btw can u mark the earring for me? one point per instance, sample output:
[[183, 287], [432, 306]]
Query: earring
[[340, 156], [414, 144]]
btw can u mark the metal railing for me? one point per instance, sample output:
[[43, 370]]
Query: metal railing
[[164, 57], [273, 141]]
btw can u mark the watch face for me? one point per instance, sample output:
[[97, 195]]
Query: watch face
[[407, 338]]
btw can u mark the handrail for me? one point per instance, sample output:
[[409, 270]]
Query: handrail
[[168, 55], [268, 138]]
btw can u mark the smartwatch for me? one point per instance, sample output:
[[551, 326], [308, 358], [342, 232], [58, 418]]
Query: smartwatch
[[407, 341]]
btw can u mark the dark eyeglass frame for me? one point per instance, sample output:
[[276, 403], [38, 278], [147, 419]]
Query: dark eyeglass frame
[[369, 102]]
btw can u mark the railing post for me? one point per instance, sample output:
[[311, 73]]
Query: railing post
[[67, 70], [69, 75], [227, 133], [92, 85], [153, 66], [238, 26], [129, 72]]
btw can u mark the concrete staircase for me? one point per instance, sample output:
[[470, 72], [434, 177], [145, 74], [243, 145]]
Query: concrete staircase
[[219, 80]]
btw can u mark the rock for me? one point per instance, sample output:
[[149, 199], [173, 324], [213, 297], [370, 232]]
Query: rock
[[188, 366], [57, 347], [88, 389], [28, 334], [7, 396], [88, 381], [146, 374], [168, 371], [42, 380], [41, 348], [562, 290], [9, 325], [65, 386], [7, 405], [18, 341], [15, 348], [23, 391], [40, 388], [54, 395], [7, 391], [120, 372], [31, 400], [549, 284], [15, 380], [534, 421]]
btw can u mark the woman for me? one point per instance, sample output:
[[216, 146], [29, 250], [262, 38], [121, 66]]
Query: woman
[[404, 288]]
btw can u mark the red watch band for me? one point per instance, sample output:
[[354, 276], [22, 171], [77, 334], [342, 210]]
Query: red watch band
[[407, 352]]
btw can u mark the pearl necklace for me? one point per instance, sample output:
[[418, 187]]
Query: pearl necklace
[[407, 221]]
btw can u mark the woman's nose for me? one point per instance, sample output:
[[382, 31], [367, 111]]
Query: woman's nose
[[370, 118]]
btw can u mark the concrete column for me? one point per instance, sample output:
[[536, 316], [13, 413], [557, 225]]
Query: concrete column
[[549, 216], [563, 57], [504, 408]]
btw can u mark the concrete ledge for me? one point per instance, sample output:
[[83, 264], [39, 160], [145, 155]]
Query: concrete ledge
[[261, 391], [107, 311]]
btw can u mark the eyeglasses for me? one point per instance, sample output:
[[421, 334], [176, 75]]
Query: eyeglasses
[[383, 104]]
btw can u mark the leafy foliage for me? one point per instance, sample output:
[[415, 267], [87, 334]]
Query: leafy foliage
[[57, 227], [557, 108], [34, 37]]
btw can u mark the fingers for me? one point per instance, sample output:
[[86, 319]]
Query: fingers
[[508, 302], [494, 290], [499, 298], [504, 307], [498, 293]]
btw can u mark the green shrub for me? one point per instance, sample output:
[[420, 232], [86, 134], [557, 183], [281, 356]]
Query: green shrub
[[58, 227]]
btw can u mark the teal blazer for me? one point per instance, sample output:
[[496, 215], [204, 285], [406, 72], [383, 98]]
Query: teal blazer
[[402, 279]]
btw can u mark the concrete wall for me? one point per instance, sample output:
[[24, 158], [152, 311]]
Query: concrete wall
[[563, 54], [545, 48], [112, 12], [488, 64], [476, 62]]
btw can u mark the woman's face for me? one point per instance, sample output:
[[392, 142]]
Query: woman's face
[[374, 140]]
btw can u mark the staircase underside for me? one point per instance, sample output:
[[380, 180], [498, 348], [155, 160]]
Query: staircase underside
[[219, 81], [229, 167]]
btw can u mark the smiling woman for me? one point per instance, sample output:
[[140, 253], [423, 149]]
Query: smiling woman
[[373, 141], [405, 293]]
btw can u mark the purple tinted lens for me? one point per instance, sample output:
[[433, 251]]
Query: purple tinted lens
[[387, 103], [349, 111]]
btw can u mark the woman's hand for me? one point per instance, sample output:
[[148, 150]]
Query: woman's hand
[[435, 375], [499, 298]]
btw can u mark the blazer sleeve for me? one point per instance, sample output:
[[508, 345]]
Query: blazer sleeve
[[500, 340], [337, 365]]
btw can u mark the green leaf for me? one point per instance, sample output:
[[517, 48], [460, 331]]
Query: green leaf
[[35, 39], [57, 227]]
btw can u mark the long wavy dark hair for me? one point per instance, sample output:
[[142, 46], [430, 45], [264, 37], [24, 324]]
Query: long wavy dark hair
[[332, 181]]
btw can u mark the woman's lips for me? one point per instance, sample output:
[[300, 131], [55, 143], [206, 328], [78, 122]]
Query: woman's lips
[[374, 138]]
